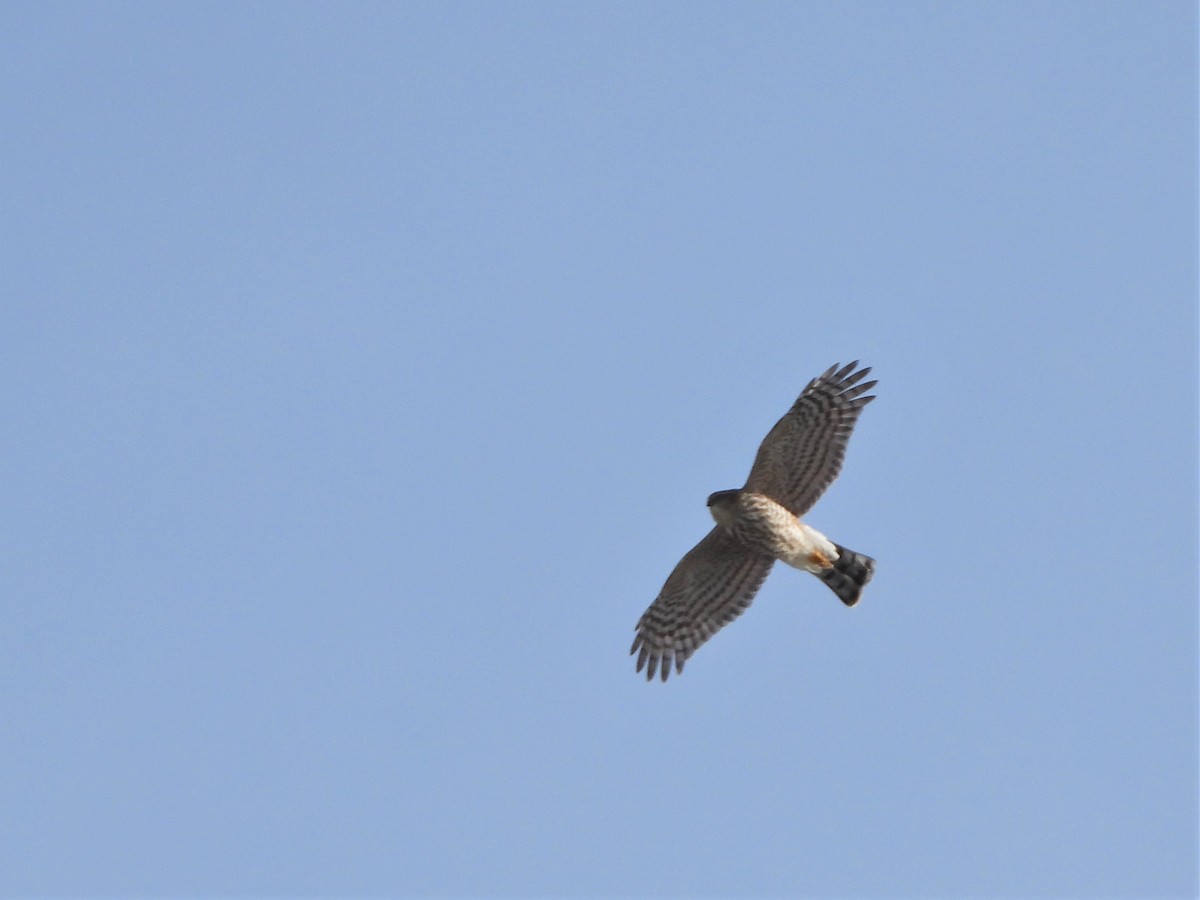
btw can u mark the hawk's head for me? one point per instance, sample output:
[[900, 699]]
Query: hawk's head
[[723, 505]]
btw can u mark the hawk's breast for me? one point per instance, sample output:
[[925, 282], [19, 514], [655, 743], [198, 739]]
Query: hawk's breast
[[766, 526]]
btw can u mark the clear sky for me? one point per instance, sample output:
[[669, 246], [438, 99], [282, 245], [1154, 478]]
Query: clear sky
[[365, 371]]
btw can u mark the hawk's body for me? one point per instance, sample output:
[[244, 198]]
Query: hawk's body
[[758, 524], [761, 524]]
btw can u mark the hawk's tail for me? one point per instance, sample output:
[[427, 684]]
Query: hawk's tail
[[849, 575]]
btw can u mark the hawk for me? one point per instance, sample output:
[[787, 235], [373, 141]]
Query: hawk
[[759, 523]]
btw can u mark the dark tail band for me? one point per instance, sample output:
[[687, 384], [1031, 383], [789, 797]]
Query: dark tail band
[[849, 575]]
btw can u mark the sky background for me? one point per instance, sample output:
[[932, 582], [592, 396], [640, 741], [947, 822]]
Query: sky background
[[365, 371]]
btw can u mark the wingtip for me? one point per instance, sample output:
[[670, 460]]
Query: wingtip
[[654, 663], [838, 372]]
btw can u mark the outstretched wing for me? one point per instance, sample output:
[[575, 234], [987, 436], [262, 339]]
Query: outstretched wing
[[712, 585], [803, 453]]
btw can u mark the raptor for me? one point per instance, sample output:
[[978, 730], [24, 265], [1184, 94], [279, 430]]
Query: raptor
[[760, 523]]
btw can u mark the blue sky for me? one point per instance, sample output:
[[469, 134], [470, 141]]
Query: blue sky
[[365, 371]]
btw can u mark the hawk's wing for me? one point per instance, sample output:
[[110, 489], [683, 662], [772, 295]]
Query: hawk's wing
[[803, 453], [712, 585]]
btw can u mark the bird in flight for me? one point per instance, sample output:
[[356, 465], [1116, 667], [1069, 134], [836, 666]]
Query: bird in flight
[[760, 523]]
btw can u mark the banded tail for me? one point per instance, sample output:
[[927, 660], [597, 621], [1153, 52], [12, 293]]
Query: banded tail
[[849, 575]]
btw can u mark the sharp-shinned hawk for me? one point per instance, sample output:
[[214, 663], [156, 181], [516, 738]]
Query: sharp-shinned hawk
[[758, 524]]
